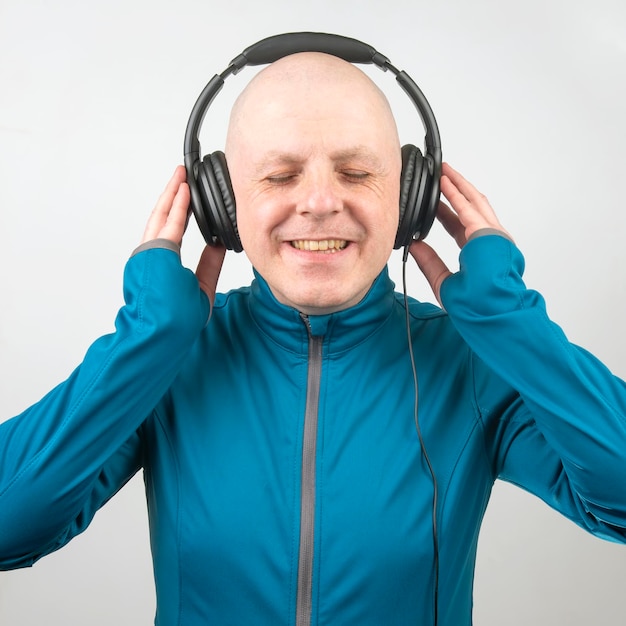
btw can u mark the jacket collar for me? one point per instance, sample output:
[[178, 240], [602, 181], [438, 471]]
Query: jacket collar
[[342, 330]]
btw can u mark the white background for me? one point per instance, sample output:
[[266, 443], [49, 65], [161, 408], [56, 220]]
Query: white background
[[95, 96]]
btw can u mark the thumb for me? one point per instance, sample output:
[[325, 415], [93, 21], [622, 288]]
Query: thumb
[[209, 268], [431, 265]]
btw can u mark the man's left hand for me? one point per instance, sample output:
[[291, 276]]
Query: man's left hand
[[468, 212]]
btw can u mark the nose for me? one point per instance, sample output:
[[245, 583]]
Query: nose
[[320, 193]]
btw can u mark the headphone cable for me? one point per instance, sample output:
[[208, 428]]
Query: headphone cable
[[422, 444]]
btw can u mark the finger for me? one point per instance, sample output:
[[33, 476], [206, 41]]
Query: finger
[[431, 265], [472, 207], [466, 189], [468, 213], [462, 190], [161, 210], [459, 181], [451, 222], [176, 221], [209, 268]]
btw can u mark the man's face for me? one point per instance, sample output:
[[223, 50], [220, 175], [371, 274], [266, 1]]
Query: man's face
[[315, 170]]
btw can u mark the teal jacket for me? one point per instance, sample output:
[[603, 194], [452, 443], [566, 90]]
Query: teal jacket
[[284, 476]]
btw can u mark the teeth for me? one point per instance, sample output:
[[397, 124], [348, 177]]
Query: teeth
[[327, 246]]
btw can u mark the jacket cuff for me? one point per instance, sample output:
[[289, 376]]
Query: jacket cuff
[[157, 243], [482, 232]]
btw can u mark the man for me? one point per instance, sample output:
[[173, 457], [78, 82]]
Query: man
[[285, 479]]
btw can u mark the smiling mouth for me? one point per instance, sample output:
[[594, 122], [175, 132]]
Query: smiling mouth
[[328, 246]]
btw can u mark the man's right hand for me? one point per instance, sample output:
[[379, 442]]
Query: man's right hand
[[169, 220]]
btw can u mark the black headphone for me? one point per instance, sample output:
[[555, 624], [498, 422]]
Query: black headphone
[[212, 197]]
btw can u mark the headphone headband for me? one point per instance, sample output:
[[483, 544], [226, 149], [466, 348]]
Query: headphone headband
[[276, 47], [271, 49]]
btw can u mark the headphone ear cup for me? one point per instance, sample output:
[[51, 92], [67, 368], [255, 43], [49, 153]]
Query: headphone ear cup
[[218, 200], [412, 192]]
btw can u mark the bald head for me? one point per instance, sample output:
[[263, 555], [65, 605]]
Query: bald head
[[313, 82]]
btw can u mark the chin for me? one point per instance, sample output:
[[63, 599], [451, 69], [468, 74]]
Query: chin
[[323, 305]]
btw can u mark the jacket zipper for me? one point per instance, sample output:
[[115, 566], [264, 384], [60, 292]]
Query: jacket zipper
[[307, 485]]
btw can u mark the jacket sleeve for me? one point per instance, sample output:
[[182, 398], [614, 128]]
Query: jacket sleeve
[[66, 455], [565, 440]]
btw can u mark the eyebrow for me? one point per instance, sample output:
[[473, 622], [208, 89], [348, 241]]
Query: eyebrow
[[277, 157], [362, 154]]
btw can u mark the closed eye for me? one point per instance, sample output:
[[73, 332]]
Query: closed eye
[[281, 179], [355, 175]]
